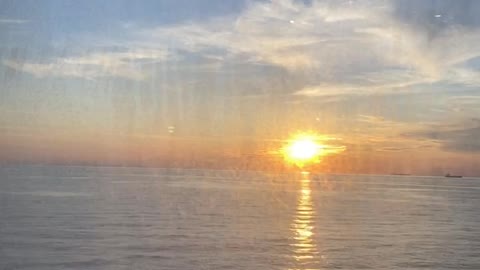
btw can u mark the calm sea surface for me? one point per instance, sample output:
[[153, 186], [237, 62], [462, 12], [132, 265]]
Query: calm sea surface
[[131, 218]]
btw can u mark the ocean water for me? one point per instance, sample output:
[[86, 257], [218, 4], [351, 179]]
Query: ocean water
[[54, 217]]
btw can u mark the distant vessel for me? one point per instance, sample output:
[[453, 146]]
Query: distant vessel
[[401, 174], [453, 176]]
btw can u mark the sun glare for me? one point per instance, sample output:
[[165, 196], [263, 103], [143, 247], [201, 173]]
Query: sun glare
[[302, 149]]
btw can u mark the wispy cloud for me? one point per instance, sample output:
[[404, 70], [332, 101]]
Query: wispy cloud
[[369, 83], [13, 21], [459, 137], [283, 33], [377, 133], [350, 47], [128, 64]]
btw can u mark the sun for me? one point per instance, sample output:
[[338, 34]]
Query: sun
[[302, 149]]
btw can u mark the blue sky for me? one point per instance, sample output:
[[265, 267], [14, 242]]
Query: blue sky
[[393, 79]]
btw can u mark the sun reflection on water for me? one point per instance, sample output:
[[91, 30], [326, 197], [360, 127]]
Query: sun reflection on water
[[304, 248]]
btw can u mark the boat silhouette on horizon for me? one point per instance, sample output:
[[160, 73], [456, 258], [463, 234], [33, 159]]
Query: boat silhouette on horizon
[[453, 176]]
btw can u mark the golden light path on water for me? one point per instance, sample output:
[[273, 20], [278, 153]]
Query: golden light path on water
[[304, 248]]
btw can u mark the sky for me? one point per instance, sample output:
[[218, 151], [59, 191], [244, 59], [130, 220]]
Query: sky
[[224, 83]]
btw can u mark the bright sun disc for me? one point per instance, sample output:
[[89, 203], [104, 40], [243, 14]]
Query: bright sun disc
[[302, 149]]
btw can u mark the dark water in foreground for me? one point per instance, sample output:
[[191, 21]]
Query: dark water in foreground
[[130, 218]]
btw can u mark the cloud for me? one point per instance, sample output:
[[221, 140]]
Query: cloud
[[349, 44], [340, 47], [377, 133], [465, 76], [433, 17], [383, 129], [371, 83], [461, 137], [354, 52], [126, 64], [467, 105], [282, 33], [404, 148], [13, 21]]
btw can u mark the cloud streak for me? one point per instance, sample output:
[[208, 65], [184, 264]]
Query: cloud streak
[[13, 21], [462, 137], [128, 64]]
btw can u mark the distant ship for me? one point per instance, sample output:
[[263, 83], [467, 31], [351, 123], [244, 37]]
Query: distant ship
[[401, 174], [453, 176]]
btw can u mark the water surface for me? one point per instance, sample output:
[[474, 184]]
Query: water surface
[[55, 217]]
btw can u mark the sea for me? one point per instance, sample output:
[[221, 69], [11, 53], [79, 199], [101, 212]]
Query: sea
[[73, 217]]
